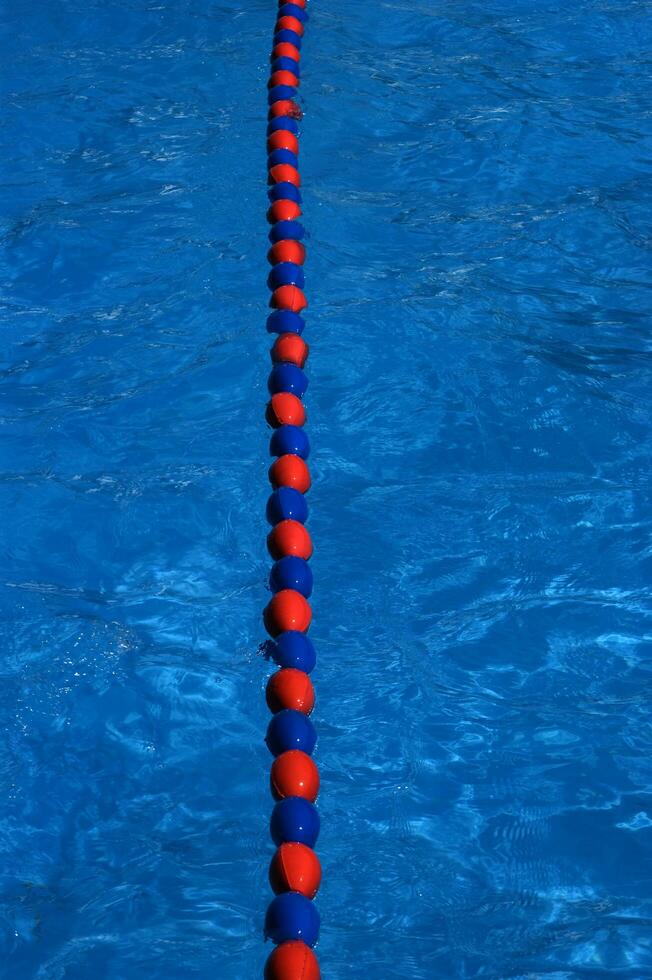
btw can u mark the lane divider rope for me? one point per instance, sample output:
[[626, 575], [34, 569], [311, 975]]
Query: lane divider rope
[[292, 920]]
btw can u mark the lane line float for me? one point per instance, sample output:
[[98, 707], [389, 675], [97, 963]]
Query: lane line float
[[292, 920]]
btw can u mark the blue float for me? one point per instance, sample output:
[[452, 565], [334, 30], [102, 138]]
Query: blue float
[[291, 730], [292, 916], [287, 377], [282, 122], [283, 230], [287, 504], [293, 649], [291, 572], [292, 10], [285, 191], [285, 36], [281, 93], [285, 321], [282, 156], [289, 439], [286, 274], [294, 819], [287, 64]]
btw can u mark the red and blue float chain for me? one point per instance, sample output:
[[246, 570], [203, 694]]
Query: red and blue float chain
[[292, 921]]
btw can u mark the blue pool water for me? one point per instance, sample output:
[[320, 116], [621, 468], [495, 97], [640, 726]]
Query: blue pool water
[[477, 189]]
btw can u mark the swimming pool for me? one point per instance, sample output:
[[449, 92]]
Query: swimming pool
[[476, 186]]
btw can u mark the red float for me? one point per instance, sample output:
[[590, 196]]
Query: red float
[[290, 688], [283, 77], [287, 610], [283, 139], [290, 348], [294, 774], [284, 173], [284, 107], [284, 408], [295, 868], [289, 538], [289, 24], [285, 50], [290, 471], [287, 251], [283, 210], [288, 298], [292, 961]]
